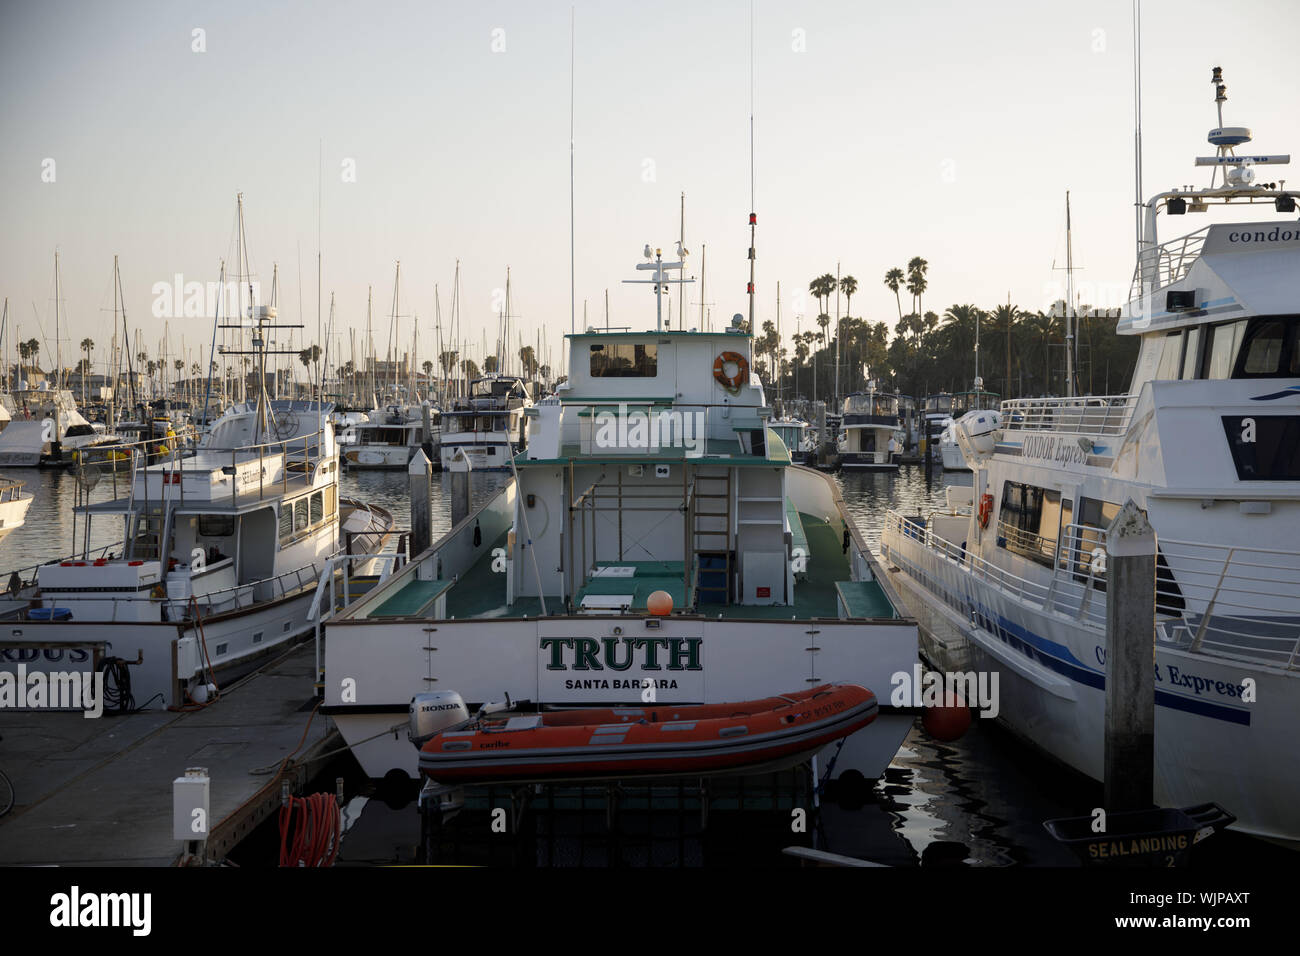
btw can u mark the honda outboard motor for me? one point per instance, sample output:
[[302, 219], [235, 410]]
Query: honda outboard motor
[[434, 712]]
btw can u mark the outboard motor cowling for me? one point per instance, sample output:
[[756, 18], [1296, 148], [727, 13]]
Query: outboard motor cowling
[[434, 712]]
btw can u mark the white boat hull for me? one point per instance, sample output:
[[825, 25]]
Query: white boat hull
[[1209, 744]]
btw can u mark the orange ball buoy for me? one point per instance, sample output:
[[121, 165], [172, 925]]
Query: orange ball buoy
[[948, 721], [659, 603]]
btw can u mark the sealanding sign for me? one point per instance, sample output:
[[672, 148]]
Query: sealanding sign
[[621, 668]]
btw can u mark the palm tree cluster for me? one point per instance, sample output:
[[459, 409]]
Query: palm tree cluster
[[1021, 352]]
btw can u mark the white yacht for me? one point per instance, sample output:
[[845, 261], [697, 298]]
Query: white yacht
[[14, 503], [872, 432], [488, 425], [1207, 444], [44, 428], [390, 438], [657, 545], [797, 436]]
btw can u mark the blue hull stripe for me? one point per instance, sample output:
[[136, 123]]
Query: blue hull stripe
[[1046, 652]]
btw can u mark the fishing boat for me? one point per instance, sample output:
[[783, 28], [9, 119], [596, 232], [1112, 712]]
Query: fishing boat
[[487, 426], [753, 736], [651, 475], [872, 431], [1206, 443], [14, 503], [219, 560]]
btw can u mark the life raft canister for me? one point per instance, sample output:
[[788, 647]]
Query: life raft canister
[[986, 509], [731, 383]]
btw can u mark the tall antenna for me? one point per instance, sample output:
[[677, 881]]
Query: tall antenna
[[753, 216], [1137, 122], [572, 284]]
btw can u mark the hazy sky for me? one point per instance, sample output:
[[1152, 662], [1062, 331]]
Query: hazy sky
[[950, 130]]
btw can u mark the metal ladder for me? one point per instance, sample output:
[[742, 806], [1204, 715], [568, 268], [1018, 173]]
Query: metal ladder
[[706, 490]]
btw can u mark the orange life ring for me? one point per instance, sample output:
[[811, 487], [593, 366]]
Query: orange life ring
[[731, 383], [986, 509]]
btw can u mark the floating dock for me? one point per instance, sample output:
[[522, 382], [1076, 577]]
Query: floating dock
[[98, 792]]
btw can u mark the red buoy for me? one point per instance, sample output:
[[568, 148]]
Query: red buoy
[[949, 721]]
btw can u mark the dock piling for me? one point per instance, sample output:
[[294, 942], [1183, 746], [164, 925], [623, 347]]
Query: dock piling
[[1129, 761], [420, 473], [460, 487]]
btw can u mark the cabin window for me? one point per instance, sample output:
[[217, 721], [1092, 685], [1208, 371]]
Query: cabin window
[[317, 507], [1171, 357], [616, 360], [1029, 521], [300, 518], [1221, 349], [1192, 352], [331, 501], [286, 520], [1270, 349], [216, 526]]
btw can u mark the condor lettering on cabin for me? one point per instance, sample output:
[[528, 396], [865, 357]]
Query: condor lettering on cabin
[[623, 653]]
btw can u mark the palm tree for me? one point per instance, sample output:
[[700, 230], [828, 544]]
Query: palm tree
[[848, 285], [916, 281], [528, 361], [822, 287], [894, 280], [823, 320], [86, 346], [469, 369], [1004, 317], [490, 365]]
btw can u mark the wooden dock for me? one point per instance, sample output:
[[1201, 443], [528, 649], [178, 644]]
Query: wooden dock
[[98, 792]]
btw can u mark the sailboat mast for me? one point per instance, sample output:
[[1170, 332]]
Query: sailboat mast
[[1069, 305]]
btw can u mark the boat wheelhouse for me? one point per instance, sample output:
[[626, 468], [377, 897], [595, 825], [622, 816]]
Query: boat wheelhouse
[[1207, 445], [487, 426], [651, 482]]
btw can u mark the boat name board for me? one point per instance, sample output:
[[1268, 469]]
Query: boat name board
[[1056, 448], [644, 665]]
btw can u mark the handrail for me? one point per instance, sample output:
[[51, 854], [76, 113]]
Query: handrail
[[1082, 415], [1217, 600], [391, 560]]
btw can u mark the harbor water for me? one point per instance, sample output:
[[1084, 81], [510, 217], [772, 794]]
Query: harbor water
[[978, 801]]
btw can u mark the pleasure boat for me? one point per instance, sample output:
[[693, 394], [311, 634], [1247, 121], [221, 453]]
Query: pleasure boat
[[872, 431], [1207, 444], [45, 429], [390, 438], [487, 426], [798, 437], [656, 545], [14, 503]]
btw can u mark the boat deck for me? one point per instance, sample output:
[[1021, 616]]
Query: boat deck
[[818, 592]]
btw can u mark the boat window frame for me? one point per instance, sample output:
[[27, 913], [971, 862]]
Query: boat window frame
[[1288, 359], [643, 362]]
